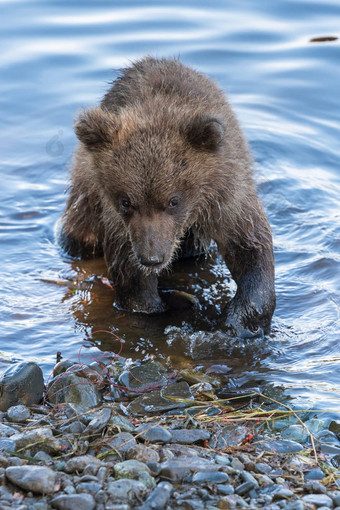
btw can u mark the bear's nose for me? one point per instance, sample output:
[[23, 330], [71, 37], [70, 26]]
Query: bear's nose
[[153, 260]]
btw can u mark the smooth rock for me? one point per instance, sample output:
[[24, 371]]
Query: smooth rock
[[318, 500], [99, 422], [130, 469], [78, 464], [210, 477], [248, 477], [159, 497], [156, 401], [177, 469], [142, 453], [74, 502], [334, 427], [314, 425], [225, 489], [37, 439], [263, 468], [6, 431], [43, 456], [314, 487], [144, 377], [126, 490], [189, 436], [296, 433], [18, 414], [22, 383], [153, 433], [120, 422], [32, 478], [315, 474], [91, 487], [281, 446], [336, 461], [229, 436], [295, 505], [71, 388], [122, 442]]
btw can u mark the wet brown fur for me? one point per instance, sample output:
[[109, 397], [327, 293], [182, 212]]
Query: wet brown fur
[[164, 130]]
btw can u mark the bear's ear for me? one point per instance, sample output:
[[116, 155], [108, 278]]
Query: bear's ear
[[95, 128], [205, 132]]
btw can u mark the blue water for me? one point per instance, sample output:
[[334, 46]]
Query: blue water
[[57, 57]]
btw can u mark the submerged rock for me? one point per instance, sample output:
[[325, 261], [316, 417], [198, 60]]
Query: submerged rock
[[171, 397], [144, 377], [22, 383]]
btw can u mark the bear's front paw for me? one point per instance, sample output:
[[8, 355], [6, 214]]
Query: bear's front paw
[[245, 321], [141, 304]]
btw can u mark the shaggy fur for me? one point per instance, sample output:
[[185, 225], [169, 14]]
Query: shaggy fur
[[163, 158]]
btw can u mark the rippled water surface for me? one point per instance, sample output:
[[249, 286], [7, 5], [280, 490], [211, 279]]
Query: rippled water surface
[[59, 56]]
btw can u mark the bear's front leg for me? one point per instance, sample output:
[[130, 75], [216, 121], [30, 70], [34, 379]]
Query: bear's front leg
[[249, 313], [138, 292]]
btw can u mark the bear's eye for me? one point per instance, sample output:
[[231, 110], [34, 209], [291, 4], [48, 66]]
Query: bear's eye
[[125, 203], [173, 202]]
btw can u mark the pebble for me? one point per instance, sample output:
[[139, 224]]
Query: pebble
[[32, 478], [37, 439], [154, 433], [189, 436], [210, 477], [319, 500], [142, 453], [229, 436], [18, 414], [315, 474], [74, 502], [122, 442], [126, 490], [99, 422], [281, 446], [156, 401], [159, 497], [296, 433], [77, 464]]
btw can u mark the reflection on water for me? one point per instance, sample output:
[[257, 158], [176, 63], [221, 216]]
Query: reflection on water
[[59, 57]]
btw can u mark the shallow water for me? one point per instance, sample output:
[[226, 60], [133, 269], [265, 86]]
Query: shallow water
[[59, 56]]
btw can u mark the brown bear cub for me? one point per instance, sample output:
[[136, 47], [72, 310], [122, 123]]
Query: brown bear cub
[[162, 164]]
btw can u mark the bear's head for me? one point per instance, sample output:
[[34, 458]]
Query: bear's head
[[155, 172]]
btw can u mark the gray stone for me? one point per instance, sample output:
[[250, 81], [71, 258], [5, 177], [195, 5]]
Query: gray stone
[[70, 388], [122, 442], [37, 439], [318, 500], [32, 478], [210, 477], [77, 464], [225, 489], [89, 487], [315, 474], [336, 461], [130, 469], [18, 414], [314, 487], [154, 433], [76, 427], [159, 497], [229, 436], [143, 454], [295, 505], [156, 401], [43, 456], [315, 425], [6, 431], [189, 436], [296, 433], [283, 493], [120, 422], [6, 444], [177, 469], [99, 422], [281, 446], [248, 477], [263, 468], [222, 459], [126, 490], [144, 377], [74, 502], [22, 383]]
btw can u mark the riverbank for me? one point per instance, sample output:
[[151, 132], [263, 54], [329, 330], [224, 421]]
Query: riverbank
[[112, 436]]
